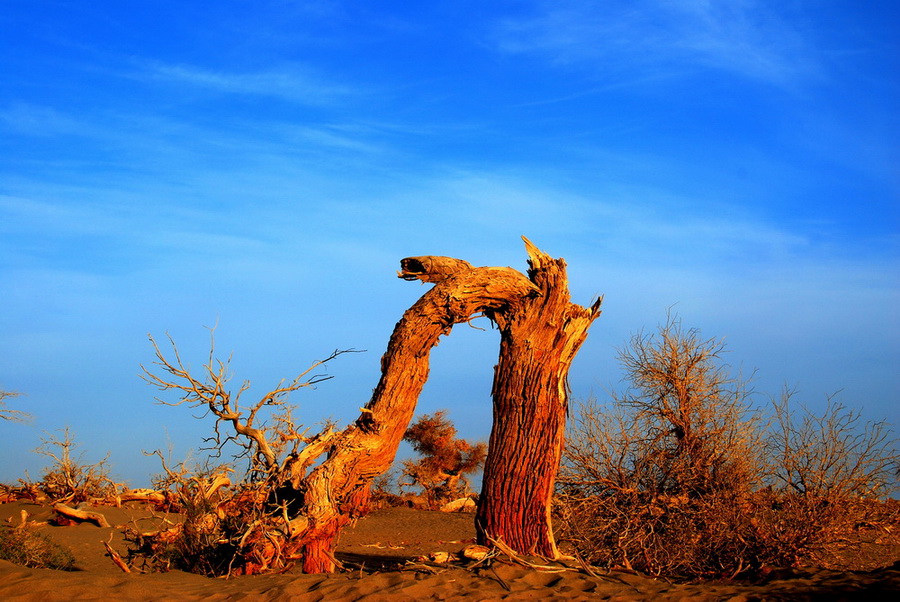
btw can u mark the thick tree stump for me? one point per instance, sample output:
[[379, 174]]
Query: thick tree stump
[[539, 337]]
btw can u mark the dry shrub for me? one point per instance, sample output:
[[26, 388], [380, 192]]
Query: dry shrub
[[445, 462], [826, 474], [24, 546], [682, 477], [68, 479], [213, 525], [23, 491], [386, 492], [221, 529]]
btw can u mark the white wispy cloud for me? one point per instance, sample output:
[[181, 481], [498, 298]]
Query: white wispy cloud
[[747, 38], [289, 82], [38, 120]]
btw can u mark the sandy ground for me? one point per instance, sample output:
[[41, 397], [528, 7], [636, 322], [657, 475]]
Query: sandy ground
[[379, 544]]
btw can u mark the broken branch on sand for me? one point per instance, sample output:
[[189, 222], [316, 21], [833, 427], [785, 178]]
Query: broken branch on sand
[[115, 556]]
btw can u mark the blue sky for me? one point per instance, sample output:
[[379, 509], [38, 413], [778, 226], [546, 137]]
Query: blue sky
[[263, 166]]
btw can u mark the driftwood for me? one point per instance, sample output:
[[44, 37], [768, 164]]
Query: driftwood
[[79, 515], [459, 505]]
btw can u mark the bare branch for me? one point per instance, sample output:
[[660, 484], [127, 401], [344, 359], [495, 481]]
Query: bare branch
[[11, 415], [260, 443]]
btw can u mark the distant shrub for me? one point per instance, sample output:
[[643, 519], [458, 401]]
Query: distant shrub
[[682, 477], [22, 545], [69, 480], [446, 461], [386, 491]]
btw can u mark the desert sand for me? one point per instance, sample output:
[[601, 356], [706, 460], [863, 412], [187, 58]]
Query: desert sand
[[385, 551]]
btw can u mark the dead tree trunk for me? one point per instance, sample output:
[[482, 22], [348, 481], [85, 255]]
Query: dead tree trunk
[[338, 489], [540, 336], [541, 332]]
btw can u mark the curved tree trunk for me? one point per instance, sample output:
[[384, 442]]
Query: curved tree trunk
[[337, 490], [540, 336], [541, 332]]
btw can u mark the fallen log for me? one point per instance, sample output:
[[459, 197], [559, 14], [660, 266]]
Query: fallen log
[[79, 515], [142, 495], [462, 504]]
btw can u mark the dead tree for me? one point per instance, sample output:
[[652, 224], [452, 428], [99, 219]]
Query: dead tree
[[540, 334], [541, 331], [539, 337], [280, 452], [337, 491]]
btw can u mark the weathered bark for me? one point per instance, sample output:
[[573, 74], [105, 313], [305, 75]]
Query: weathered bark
[[337, 490], [539, 337]]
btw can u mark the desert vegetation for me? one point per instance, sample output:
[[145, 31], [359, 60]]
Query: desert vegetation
[[682, 475], [445, 462], [68, 479], [23, 544]]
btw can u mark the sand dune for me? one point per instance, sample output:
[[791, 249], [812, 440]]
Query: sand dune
[[382, 548]]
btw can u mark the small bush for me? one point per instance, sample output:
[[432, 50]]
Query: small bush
[[386, 492], [446, 461], [24, 546]]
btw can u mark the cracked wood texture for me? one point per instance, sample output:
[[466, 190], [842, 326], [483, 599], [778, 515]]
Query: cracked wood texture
[[539, 337], [337, 491]]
